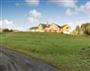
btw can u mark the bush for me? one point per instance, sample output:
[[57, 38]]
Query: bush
[[7, 30]]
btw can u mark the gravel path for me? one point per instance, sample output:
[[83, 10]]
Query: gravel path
[[11, 60]]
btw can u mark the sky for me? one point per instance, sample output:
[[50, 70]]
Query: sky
[[23, 14]]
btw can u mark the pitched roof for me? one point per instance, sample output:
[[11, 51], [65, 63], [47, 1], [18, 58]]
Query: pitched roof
[[56, 25], [33, 28], [64, 26], [44, 25]]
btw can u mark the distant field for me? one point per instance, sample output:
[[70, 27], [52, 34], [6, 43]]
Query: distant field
[[66, 52]]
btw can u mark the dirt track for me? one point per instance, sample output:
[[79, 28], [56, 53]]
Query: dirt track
[[11, 60]]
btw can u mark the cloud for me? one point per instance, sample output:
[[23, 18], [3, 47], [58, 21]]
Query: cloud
[[32, 2], [71, 12], [71, 6], [5, 23], [64, 3], [34, 13], [85, 8], [34, 16], [79, 9], [31, 20], [8, 24]]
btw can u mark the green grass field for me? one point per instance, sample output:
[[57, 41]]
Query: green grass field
[[66, 52]]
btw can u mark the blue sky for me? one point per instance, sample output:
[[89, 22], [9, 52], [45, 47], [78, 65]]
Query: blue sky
[[22, 14]]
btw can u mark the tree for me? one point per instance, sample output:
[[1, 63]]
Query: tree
[[83, 29], [86, 28], [77, 30], [7, 30]]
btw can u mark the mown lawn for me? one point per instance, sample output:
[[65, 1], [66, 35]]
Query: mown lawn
[[66, 52]]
